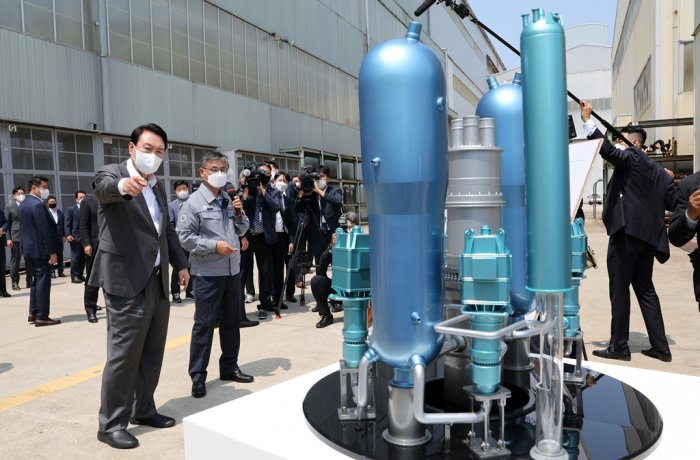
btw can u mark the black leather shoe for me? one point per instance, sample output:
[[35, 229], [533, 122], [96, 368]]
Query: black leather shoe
[[6, 294], [15, 287], [176, 298], [291, 298], [92, 318], [247, 323], [337, 308], [53, 275], [31, 319], [98, 308], [62, 275], [120, 439], [81, 278], [156, 421], [29, 284], [189, 296], [326, 320], [75, 280], [199, 389], [237, 376], [609, 353], [664, 356], [315, 309]]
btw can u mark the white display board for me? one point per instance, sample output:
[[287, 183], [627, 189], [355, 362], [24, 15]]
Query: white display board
[[582, 156]]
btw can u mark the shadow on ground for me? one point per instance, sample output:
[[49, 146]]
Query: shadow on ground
[[4, 367], [638, 341]]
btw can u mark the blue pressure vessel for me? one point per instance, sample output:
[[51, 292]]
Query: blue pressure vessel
[[505, 105], [543, 60], [403, 128]]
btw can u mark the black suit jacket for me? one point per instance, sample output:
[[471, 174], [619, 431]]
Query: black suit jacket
[[72, 218], [39, 237], [270, 207], [4, 226], [89, 228], [289, 216], [637, 195], [331, 207], [678, 231], [12, 215], [129, 243]]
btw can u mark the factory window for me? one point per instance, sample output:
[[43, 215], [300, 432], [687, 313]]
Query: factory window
[[75, 152], [90, 19], [284, 58], [70, 185], [332, 163], [180, 161], [265, 73], [226, 50], [11, 16], [178, 24], [211, 38], [348, 169], [195, 20], [141, 32], [38, 18], [68, 23], [687, 83], [161, 36], [239, 60], [117, 151], [119, 30], [490, 66], [32, 149], [251, 56]]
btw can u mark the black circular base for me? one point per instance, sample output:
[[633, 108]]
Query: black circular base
[[617, 422]]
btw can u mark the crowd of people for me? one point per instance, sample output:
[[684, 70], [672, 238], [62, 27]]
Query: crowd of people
[[123, 237]]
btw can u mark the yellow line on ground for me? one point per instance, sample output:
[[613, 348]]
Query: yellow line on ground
[[68, 381]]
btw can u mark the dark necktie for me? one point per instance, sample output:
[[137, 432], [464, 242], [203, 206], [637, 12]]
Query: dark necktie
[[257, 222]]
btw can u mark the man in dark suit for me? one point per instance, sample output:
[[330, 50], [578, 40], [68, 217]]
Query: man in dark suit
[[633, 214], [326, 210], [137, 241], [261, 204], [39, 242], [89, 238], [3, 240], [57, 216], [684, 225], [183, 192], [285, 229], [77, 255], [13, 239]]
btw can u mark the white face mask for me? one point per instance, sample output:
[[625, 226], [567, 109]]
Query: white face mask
[[80, 201], [19, 198], [281, 186], [322, 184], [182, 195], [217, 180], [44, 194], [147, 163], [620, 146]]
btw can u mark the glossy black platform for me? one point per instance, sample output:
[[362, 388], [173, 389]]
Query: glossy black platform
[[618, 422]]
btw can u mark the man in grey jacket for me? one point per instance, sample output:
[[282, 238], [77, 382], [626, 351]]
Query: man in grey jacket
[[209, 226]]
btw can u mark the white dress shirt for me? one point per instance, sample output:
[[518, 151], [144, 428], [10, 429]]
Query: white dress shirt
[[54, 214], [279, 221], [148, 195]]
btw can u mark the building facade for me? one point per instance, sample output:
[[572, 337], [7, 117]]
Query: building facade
[[588, 71], [259, 79], [653, 71]]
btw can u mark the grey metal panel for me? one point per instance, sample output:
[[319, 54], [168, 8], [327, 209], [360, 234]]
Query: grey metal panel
[[341, 139], [44, 82], [230, 121], [352, 47], [292, 129], [317, 28], [251, 11]]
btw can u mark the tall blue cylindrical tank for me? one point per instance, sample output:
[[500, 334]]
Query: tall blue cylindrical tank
[[505, 104], [403, 128], [543, 59]]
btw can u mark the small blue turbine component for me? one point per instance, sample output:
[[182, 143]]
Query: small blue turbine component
[[351, 281], [485, 270]]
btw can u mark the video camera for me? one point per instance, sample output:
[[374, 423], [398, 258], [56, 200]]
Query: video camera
[[252, 176], [308, 177]]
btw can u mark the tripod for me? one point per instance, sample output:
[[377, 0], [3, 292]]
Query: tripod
[[300, 259]]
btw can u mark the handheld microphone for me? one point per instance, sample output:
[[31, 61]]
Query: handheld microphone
[[232, 193]]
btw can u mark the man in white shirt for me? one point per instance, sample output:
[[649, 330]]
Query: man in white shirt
[[58, 217]]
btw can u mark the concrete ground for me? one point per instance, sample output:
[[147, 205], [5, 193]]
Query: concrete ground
[[50, 377]]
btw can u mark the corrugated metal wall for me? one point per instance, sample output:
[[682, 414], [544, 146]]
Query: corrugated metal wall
[[47, 83]]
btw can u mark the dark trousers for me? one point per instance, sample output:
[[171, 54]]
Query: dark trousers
[[249, 284], [3, 262], [318, 242], [321, 289], [59, 260], [40, 291], [631, 261], [279, 254], [174, 286], [15, 260], [263, 257], [91, 292], [136, 331], [216, 297], [241, 295], [77, 260]]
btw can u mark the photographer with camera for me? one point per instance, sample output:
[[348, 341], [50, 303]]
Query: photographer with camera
[[261, 202], [325, 203], [321, 283]]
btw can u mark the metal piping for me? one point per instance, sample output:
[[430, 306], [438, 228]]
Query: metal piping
[[453, 344], [362, 377], [104, 69], [510, 331], [439, 418]]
